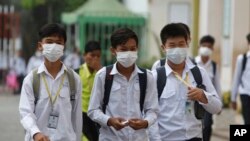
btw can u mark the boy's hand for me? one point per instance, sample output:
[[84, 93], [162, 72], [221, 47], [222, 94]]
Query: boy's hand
[[40, 137], [137, 124], [234, 105], [196, 94], [117, 123]]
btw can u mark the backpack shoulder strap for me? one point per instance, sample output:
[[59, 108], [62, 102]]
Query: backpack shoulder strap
[[161, 80], [72, 85], [162, 61], [244, 61], [143, 86], [214, 67], [193, 60], [107, 87], [197, 77], [36, 84]]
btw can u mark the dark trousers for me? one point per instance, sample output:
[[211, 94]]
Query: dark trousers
[[89, 128], [20, 81], [245, 102], [207, 129]]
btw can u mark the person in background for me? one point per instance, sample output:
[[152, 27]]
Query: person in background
[[73, 60], [18, 65], [241, 83], [35, 61], [204, 60], [87, 72]]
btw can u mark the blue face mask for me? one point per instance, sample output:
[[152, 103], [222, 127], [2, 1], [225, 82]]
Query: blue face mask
[[176, 55]]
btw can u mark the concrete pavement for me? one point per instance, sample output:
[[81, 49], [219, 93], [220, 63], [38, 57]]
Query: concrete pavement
[[11, 129]]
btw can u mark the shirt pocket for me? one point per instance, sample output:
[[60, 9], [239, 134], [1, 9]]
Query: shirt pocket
[[115, 92], [64, 98], [169, 97]]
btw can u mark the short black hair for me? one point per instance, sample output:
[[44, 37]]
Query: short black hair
[[186, 27], [173, 30], [121, 36], [92, 46], [207, 39], [248, 38], [52, 29]]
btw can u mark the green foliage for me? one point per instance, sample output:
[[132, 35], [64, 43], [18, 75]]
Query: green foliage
[[30, 4]]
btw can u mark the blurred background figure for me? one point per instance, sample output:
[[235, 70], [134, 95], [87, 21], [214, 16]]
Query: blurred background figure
[[18, 67], [73, 59], [35, 60]]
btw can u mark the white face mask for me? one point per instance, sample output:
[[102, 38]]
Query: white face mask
[[52, 51], [176, 55], [127, 58], [205, 51]]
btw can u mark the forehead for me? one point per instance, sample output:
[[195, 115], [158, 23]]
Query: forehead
[[176, 39], [54, 37], [130, 43], [207, 44]]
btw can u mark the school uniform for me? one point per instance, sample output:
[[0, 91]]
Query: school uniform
[[176, 119], [123, 102], [241, 85], [215, 78], [35, 118]]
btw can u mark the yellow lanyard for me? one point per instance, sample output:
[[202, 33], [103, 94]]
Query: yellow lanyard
[[185, 82], [58, 91]]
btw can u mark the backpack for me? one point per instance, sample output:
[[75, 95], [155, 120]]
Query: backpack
[[161, 82], [72, 86], [109, 81]]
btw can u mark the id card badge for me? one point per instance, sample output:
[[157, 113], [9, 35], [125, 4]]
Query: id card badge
[[188, 108], [53, 120]]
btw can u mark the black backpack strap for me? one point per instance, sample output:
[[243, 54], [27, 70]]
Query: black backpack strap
[[214, 67], [161, 80], [77, 70], [163, 61], [193, 60], [244, 61], [107, 87], [36, 85], [197, 77], [199, 111], [143, 86]]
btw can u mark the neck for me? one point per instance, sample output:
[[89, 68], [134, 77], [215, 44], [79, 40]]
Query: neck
[[91, 70], [53, 67], [204, 59], [177, 67], [125, 71]]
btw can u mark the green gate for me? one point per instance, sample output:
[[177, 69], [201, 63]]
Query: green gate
[[97, 19]]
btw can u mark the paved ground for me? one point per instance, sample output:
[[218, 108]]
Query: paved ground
[[11, 130]]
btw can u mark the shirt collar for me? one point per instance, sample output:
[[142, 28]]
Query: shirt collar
[[42, 68], [199, 61], [115, 71], [86, 69]]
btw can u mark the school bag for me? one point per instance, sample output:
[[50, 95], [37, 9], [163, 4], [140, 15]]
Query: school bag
[[163, 60], [72, 86], [109, 81], [161, 82]]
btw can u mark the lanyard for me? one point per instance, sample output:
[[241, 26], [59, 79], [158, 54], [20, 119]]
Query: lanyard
[[57, 93], [185, 82]]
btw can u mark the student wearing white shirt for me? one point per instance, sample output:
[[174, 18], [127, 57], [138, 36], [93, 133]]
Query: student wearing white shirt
[[204, 60], [18, 65], [241, 83], [124, 118], [55, 115], [176, 118], [35, 61]]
